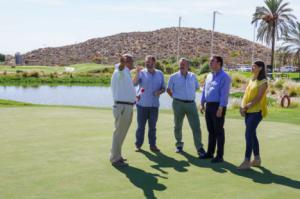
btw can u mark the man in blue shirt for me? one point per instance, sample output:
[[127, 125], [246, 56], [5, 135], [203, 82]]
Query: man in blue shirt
[[151, 86], [182, 88], [215, 96]]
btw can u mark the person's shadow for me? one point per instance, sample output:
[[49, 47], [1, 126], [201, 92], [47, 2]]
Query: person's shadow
[[164, 161], [263, 177], [148, 182]]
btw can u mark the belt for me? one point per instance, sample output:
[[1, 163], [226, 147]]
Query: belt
[[127, 103], [213, 103], [184, 101]]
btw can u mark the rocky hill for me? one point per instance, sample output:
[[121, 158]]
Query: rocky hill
[[161, 43]]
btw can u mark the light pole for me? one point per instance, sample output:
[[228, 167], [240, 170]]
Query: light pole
[[178, 39], [212, 32], [253, 43]]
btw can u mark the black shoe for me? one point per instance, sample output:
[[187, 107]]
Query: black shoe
[[201, 153], [119, 163], [217, 160], [154, 149], [179, 149], [207, 156]]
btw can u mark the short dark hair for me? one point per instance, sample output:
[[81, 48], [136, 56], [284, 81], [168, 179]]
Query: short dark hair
[[151, 57], [262, 74], [219, 59]]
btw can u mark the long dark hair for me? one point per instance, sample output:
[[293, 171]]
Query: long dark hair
[[262, 74]]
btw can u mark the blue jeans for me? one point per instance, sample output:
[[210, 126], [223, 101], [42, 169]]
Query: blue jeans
[[145, 114], [252, 120]]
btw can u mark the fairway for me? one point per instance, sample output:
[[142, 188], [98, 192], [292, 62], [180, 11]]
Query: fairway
[[62, 153]]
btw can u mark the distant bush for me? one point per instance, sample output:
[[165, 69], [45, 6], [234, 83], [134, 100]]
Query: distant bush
[[195, 62], [292, 88], [204, 59], [204, 68], [169, 69], [238, 79], [34, 74], [160, 66], [279, 83], [108, 70], [2, 57], [97, 60], [53, 75]]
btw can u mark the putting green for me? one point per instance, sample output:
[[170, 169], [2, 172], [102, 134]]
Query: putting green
[[58, 152]]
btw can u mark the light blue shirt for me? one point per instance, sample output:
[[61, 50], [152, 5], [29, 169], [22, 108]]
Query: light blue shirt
[[183, 88], [216, 88], [150, 83]]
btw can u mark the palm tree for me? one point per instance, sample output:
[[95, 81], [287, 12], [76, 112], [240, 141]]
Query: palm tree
[[291, 43], [273, 21]]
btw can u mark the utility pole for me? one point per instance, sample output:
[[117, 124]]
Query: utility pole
[[178, 38], [212, 32]]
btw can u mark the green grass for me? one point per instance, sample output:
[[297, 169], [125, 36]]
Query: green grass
[[9, 103], [84, 74], [103, 79], [57, 152], [49, 69]]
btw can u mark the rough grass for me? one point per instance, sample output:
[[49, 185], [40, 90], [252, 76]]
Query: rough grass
[[56, 152]]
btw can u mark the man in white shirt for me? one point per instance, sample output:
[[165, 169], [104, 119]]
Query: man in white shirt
[[124, 96]]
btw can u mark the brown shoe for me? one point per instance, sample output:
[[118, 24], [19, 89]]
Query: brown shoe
[[138, 149], [256, 162], [154, 149], [119, 163], [245, 165]]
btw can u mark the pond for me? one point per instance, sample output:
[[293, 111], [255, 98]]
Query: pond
[[69, 95]]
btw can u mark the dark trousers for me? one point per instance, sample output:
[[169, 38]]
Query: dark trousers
[[145, 114], [215, 127], [252, 121]]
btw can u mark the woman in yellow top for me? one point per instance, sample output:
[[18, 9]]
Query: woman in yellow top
[[254, 108]]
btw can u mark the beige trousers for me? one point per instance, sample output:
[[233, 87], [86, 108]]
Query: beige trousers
[[123, 116]]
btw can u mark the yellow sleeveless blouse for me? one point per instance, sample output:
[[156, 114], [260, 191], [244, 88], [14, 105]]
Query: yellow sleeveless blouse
[[251, 92]]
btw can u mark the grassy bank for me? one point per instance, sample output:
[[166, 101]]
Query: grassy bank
[[86, 74], [83, 74], [67, 79]]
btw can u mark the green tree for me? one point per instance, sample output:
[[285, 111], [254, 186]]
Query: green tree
[[2, 57], [291, 43], [273, 20]]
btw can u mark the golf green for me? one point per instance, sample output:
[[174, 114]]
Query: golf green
[[60, 152]]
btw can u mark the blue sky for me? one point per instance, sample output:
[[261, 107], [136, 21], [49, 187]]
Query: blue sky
[[31, 24]]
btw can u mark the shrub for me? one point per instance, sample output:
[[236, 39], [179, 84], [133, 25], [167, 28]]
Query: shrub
[[279, 83], [34, 74], [204, 68], [292, 88], [97, 60], [2, 58], [195, 62], [25, 74], [169, 70], [108, 70], [53, 75], [204, 59], [160, 66], [237, 80]]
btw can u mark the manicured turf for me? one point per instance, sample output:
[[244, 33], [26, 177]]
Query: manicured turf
[[58, 152]]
